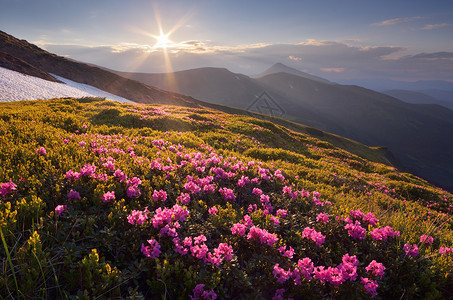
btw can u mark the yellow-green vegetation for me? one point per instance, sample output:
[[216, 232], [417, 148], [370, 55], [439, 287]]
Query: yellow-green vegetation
[[101, 199]]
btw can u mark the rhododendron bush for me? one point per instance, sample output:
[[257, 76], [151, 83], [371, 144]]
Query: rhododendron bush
[[109, 200]]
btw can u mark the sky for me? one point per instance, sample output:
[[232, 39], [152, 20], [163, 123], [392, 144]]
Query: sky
[[336, 39]]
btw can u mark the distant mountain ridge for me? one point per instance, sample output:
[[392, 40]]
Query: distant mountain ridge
[[418, 98], [281, 68], [416, 134]]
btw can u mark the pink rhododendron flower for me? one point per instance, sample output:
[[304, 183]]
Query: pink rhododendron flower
[[445, 250], [88, 170], [370, 286], [287, 253], [426, 239], [108, 196], [138, 217], [349, 271], [275, 220], [356, 231], [133, 191], [60, 209], [321, 273], [238, 229], [411, 250], [151, 251], [213, 210], [347, 259], [262, 235], [314, 235], [120, 175], [227, 194], [200, 294], [73, 195], [160, 195], [257, 191], [280, 274], [304, 268], [282, 213], [377, 269], [184, 198], [41, 151], [370, 218], [7, 187], [322, 217]]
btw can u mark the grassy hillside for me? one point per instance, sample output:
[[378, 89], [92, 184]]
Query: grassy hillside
[[107, 200]]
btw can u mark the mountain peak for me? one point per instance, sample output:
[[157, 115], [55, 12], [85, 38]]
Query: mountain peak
[[282, 68]]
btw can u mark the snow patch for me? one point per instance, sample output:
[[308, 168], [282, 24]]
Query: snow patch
[[15, 86]]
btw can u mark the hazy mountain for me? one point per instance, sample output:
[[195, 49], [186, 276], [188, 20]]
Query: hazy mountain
[[281, 68], [418, 98], [416, 134], [382, 84], [443, 95]]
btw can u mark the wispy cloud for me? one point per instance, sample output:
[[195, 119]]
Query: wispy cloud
[[437, 26], [295, 58], [396, 21], [332, 70], [337, 60]]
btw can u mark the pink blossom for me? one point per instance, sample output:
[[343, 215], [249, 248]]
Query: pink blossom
[[356, 231], [370, 286], [151, 251], [347, 259], [227, 194], [305, 268], [7, 187], [257, 191], [134, 181], [370, 218], [322, 217], [275, 220], [60, 209], [109, 165], [287, 253], [426, 239], [88, 170], [238, 229], [322, 274], [82, 143], [133, 191], [138, 217], [335, 277], [349, 271], [262, 235], [41, 151], [312, 234], [120, 175], [184, 198], [282, 213], [280, 274], [192, 187], [411, 250], [108, 196], [160, 195], [356, 214], [376, 269], [445, 250], [73, 195], [200, 294], [213, 210]]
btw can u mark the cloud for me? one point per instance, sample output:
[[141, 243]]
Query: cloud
[[330, 70], [396, 21], [436, 26], [333, 59]]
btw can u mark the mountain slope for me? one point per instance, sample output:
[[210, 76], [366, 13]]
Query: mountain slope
[[83, 73], [120, 200]]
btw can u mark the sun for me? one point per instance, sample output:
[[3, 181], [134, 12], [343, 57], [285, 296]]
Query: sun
[[162, 40]]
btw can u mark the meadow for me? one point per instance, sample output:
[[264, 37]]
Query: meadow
[[101, 199]]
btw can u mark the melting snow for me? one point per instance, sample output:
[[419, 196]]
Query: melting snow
[[15, 86]]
